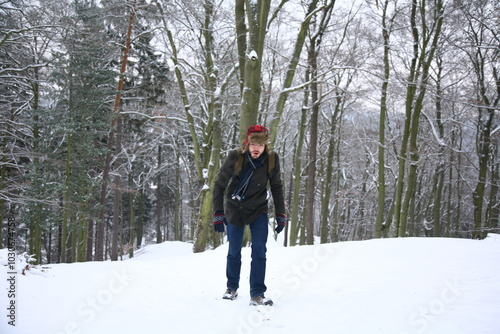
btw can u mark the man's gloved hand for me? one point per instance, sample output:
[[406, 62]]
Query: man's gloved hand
[[219, 221], [281, 219]]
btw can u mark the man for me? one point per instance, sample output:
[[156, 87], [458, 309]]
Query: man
[[243, 180]]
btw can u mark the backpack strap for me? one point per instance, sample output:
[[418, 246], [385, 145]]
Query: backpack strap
[[271, 163], [239, 162]]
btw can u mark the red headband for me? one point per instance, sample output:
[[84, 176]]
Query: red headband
[[256, 128]]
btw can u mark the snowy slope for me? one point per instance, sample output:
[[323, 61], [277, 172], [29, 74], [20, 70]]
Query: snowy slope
[[393, 286]]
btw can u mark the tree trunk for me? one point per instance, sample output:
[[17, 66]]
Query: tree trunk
[[81, 239], [208, 159], [421, 63], [440, 172], [493, 209], [132, 225], [90, 232], [212, 135], [241, 38], [159, 200], [484, 129], [313, 143], [36, 226], [66, 200], [297, 179], [292, 66], [335, 231], [257, 13], [313, 53], [140, 218], [117, 200], [99, 256], [328, 183], [70, 244], [379, 222], [177, 205]]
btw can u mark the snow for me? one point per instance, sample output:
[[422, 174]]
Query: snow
[[253, 55], [394, 286], [217, 92]]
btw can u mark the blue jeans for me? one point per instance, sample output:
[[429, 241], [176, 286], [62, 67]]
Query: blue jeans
[[259, 231]]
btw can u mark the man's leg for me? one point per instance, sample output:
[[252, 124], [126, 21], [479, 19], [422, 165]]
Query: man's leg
[[233, 266], [259, 229]]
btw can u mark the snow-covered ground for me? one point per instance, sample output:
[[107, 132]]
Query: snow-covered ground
[[393, 286]]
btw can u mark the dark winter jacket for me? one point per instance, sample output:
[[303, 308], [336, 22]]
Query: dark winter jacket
[[255, 202]]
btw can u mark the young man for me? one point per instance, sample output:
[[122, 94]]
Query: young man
[[242, 181]]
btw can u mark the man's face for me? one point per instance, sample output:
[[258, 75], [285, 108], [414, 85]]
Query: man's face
[[256, 150]]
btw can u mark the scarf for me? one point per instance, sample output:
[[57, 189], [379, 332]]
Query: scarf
[[246, 177]]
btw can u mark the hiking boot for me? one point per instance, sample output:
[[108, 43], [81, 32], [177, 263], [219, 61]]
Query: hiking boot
[[230, 294], [261, 300]]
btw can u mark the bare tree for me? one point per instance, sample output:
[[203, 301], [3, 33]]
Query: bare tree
[[481, 46], [425, 43], [387, 23]]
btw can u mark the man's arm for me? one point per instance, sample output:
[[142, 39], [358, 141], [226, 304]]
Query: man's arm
[[277, 188]]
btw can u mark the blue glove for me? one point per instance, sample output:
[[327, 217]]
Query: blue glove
[[219, 221], [281, 218]]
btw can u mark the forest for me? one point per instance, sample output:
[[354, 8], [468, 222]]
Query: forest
[[117, 114]]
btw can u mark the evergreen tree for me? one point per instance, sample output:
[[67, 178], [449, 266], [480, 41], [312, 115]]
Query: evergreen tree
[[85, 81]]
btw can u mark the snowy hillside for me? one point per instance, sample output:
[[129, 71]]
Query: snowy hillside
[[393, 286]]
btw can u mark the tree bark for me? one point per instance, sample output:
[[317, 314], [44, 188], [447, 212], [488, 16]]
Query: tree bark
[[441, 168], [292, 66], [178, 189], [212, 135], [325, 226], [117, 199], [66, 201], [421, 63], [132, 225], [257, 13], [379, 222], [99, 255], [159, 200], [313, 53], [493, 209], [297, 179], [241, 38], [140, 218], [313, 144]]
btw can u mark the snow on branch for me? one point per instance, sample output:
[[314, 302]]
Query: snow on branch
[[293, 89], [434, 131], [253, 55], [153, 117], [225, 81], [11, 69], [11, 32], [495, 130]]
